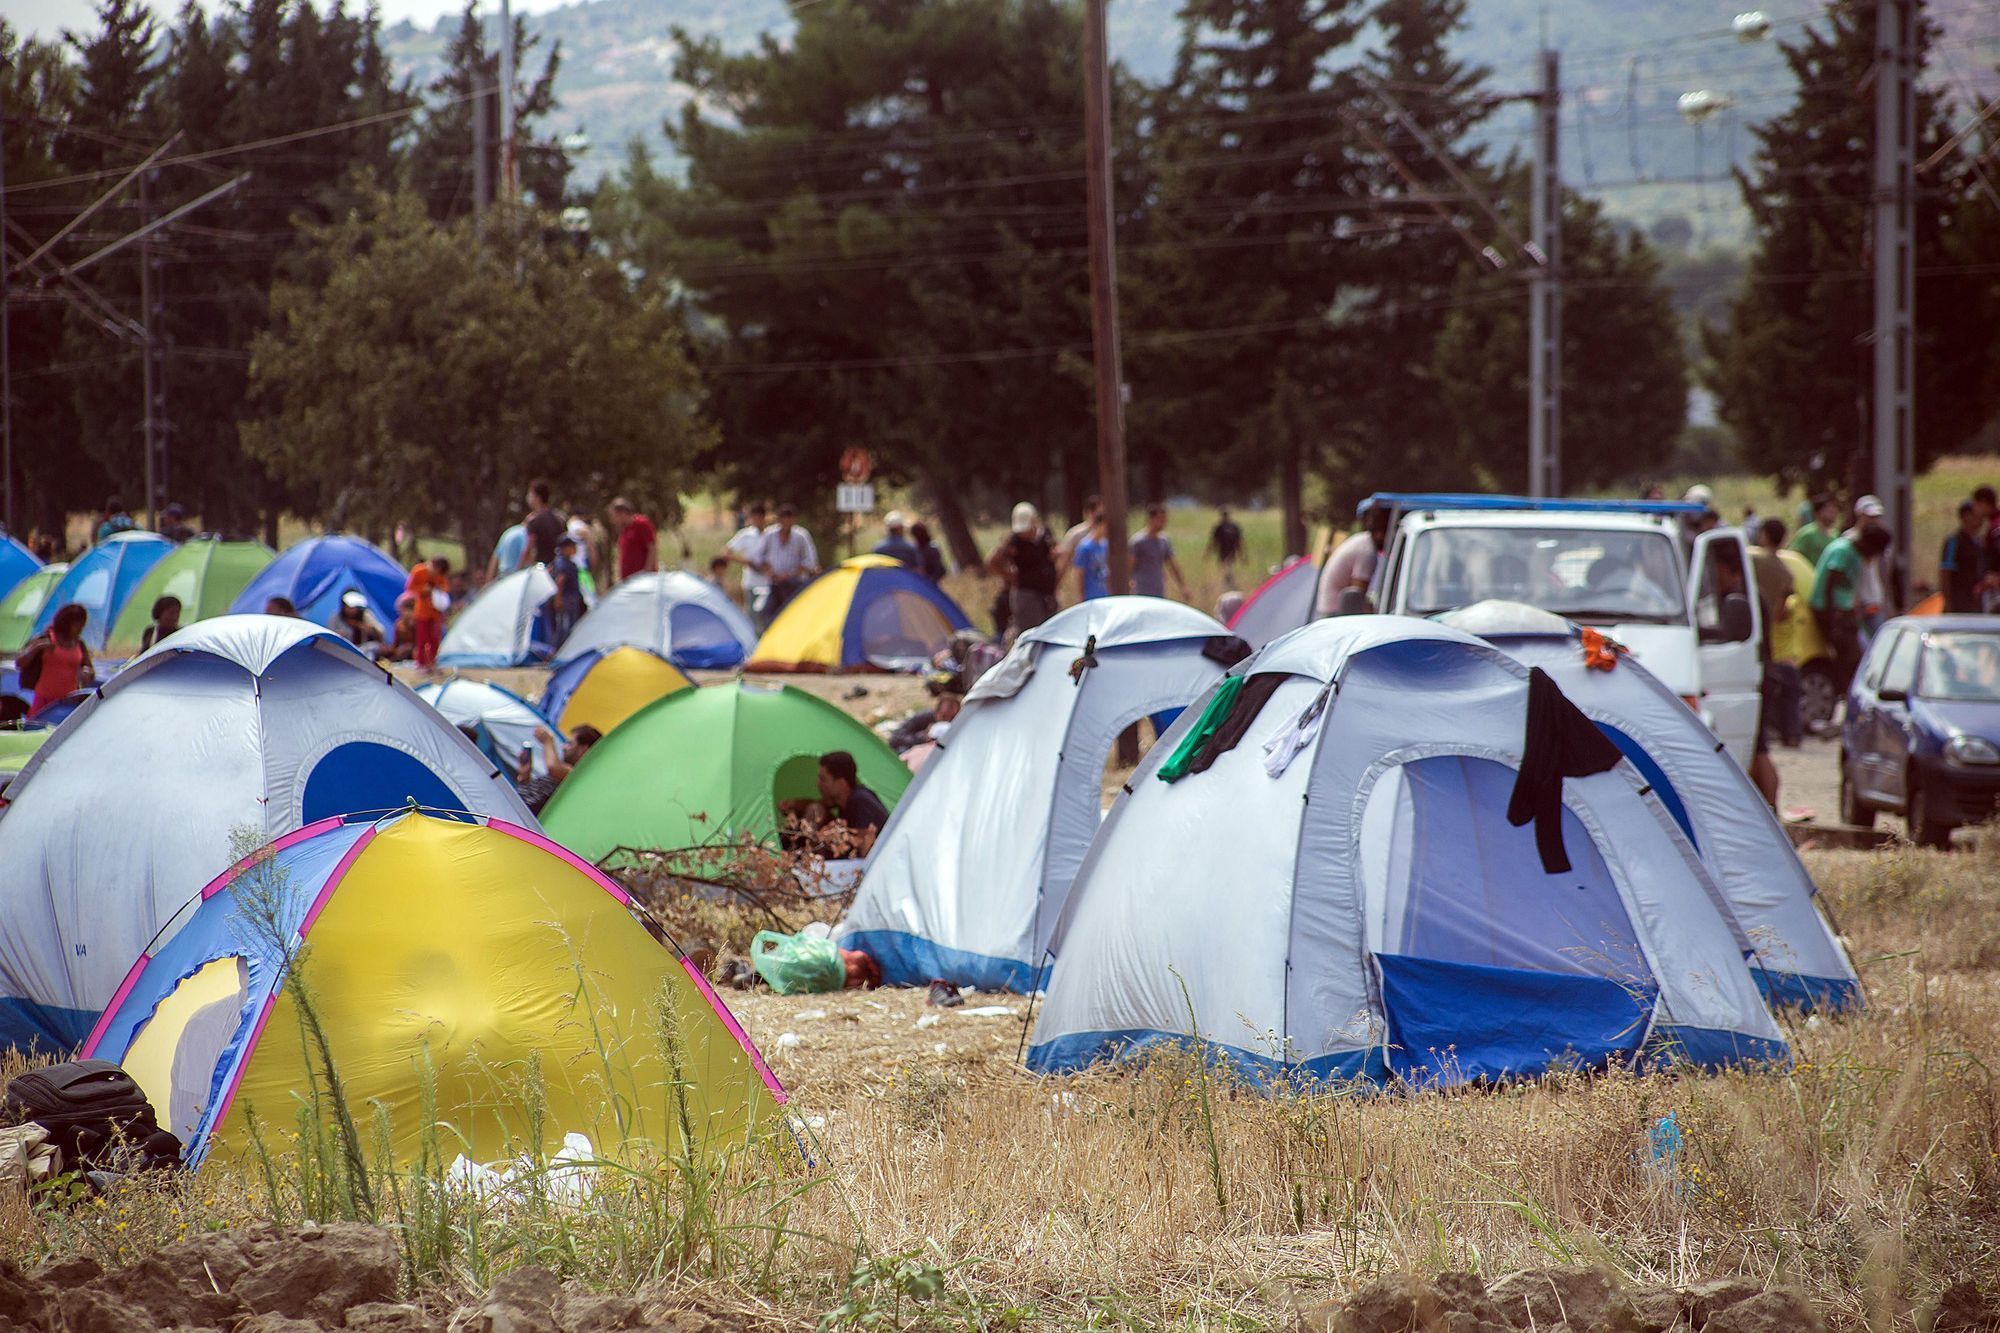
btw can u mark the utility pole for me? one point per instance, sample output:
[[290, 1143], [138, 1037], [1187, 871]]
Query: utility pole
[[1894, 247], [1104, 294], [1545, 291], [6, 350], [482, 145], [508, 181], [150, 348]]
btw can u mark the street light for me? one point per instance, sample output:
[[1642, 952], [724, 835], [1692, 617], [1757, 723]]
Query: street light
[[1703, 104], [1752, 26]]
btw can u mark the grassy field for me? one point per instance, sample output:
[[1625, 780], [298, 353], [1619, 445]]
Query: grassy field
[[952, 1190]]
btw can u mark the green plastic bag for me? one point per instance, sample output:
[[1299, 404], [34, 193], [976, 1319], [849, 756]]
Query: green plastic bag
[[798, 964]]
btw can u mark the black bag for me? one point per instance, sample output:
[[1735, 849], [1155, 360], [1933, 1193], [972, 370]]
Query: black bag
[[30, 664], [94, 1113]]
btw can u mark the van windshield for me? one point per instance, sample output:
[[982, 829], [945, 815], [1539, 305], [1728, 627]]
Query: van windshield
[[1593, 576]]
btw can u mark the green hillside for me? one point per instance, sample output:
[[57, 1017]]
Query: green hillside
[[1625, 65]]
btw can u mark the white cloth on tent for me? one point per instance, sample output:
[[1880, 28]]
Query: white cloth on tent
[[1288, 743]]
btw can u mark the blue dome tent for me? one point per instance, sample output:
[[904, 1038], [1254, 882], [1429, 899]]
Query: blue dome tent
[[102, 578], [318, 570]]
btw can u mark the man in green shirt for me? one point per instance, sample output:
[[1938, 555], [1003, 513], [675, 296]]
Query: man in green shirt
[[1835, 579], [1812, 538]]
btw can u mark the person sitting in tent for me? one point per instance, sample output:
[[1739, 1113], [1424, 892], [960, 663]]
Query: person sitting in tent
[[357, 626], [847, 817], [536, 788], [56, 664], [166, 619]]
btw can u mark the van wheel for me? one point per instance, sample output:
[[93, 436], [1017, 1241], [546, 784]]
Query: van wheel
[[1853, 810], [1819, 695], [1924, 830]]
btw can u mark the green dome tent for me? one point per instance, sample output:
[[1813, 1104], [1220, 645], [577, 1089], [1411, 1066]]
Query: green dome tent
[[206, 574], [19, 607], [16, 748], [708, 766]]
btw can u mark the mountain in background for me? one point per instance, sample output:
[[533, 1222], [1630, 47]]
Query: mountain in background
[[1625, 65]]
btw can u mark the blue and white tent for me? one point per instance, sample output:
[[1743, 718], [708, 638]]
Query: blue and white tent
[[504, 721], [235, 728], [505, 625], [1335, 888], [967, 880], [313, 574], [1796, 959], [101, 579], [687, 620]]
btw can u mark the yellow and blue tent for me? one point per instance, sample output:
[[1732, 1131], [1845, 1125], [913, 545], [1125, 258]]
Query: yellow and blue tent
[[603, 686], [471, 976], [870, 613]]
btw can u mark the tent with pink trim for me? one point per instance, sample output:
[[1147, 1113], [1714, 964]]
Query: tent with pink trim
[[487, 992]]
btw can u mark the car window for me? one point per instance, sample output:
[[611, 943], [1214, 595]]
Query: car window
[[1961, 666], [1721, 576], [1878, 658], [1900, 673]]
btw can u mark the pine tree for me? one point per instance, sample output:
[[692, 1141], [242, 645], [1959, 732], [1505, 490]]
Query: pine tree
[[440, 165], [1625, 377], [1791, 370], [886, 239], [1413, 247], [1259, 180]]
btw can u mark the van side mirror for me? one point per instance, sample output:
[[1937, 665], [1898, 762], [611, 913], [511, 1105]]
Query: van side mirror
[[1890, 695], [1735, 622]]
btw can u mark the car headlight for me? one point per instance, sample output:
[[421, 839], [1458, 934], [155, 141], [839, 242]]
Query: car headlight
[[1972, 750]]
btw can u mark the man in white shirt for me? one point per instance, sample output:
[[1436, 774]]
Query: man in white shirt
[[787, 557], [745, 549], [1352, 564]]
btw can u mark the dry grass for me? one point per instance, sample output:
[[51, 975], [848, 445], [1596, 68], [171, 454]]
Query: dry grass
[[1869, 1174]]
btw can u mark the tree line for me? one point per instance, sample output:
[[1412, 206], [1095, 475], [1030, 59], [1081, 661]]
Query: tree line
[[875, 236]]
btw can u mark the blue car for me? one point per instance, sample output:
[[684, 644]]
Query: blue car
[[1922, 735]]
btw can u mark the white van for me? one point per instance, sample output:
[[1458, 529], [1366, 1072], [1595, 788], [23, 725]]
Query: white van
[[1687, 611]]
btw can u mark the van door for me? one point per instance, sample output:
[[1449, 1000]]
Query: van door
[[1729, 630]]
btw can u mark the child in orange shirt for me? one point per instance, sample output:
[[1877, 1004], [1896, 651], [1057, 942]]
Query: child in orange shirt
[[426, 581]]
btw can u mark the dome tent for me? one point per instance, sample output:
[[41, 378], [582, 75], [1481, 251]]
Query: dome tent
[[685, 619], [516, 956], [967, 880], [238, 726], [1796, 959], [206, 574], [705, 767], [15, 749], [1278, 605], [604, 686], [313, 575], [102, 580], [504, 721], [17, 562], [1371, 911], [870, 613], [504, 625], [22, 606]]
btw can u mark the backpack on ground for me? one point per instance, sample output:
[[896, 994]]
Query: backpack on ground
[[95, 1115]]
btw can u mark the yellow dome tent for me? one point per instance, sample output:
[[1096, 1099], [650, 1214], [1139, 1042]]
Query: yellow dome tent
[[870, 613], [604, 686], [471, 974]]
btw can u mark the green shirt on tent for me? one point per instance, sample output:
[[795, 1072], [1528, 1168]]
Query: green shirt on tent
[[1835, 576], [1811, 541]]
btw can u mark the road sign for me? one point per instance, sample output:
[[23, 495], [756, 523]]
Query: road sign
[[856, 466], [854, 498]]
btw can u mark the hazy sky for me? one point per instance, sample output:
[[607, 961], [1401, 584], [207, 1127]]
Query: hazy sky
[[47, 18]]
